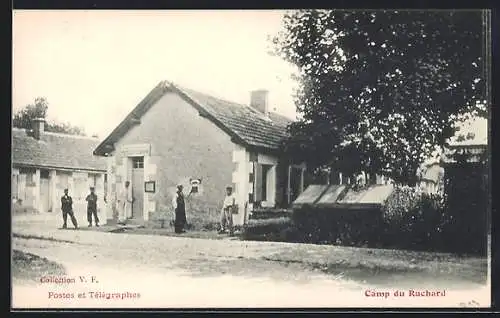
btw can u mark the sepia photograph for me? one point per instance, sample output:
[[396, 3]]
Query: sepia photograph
[[176, 159]]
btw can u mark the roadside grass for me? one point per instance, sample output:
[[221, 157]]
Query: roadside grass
[[169, 231], [27, 266], [43, 238], [303, 271], [370, 264], [379, 262]]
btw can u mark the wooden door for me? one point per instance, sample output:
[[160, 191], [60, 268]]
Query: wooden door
[[137, 192]]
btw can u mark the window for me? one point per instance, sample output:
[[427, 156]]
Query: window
[[264, 182], [138, 162], [265, 170], [27, 170], [29, 173], [44, 174], [29, 179]]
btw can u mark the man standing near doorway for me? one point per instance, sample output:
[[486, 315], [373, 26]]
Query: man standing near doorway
[[92, 207], [125, 203], [67, 208], [180, 210], [226, 216]]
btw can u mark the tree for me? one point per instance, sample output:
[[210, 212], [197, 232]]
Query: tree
[[65, 128], [24, 119], [380, 90]]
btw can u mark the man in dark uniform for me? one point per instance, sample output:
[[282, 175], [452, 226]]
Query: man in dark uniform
[[180, 210], [67, 208], [92, 207]]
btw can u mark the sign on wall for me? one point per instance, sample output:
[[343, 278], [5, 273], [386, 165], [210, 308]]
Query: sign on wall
[[195, 185], [136, 150], [150, 186]]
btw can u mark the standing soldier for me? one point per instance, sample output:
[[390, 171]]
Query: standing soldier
[[124, 203], [226, 215], [92, 207], [180, 210], [67, 208]]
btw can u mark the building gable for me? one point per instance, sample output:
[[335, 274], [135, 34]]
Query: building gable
[[170, 121], [242, 123]]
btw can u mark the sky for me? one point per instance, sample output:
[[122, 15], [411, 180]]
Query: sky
[[95, 66]]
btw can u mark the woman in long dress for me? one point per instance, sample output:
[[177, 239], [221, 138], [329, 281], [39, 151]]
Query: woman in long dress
[[180, 210]]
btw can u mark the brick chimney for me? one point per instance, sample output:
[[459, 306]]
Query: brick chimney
[[38, 127], [259, 101]]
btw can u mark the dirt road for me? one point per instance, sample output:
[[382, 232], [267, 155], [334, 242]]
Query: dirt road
[[182, 272]]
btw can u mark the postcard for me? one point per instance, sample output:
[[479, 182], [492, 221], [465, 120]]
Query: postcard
[[251, 159]]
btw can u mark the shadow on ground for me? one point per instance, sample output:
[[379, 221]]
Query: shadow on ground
[[209, 235]]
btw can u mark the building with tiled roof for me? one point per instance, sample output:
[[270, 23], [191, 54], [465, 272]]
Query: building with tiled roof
[[176, 135], [45, 163]]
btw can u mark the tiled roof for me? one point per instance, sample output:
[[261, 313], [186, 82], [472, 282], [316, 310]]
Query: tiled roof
[[249, 124], [56, 150], [243, 123]]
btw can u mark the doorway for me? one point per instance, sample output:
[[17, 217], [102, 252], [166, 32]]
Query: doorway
[[27, 188], [45, 191], [137, 187], [295, 183]]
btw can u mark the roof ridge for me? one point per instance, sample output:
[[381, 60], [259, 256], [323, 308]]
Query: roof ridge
[[57, 134], [222, 99], [234, 118], [70, 135]]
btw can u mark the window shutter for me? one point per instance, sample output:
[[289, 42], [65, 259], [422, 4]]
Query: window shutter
[[279, 185], [258, 182]]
